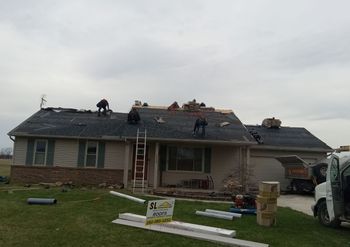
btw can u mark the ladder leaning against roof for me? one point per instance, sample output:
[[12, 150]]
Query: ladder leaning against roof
[[140, 162]]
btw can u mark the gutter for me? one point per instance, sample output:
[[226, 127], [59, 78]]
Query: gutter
[[279, 148], [71, 137], [205, 141], [125, 139]]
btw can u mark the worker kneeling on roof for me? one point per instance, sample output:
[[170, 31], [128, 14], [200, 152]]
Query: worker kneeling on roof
[[103, 104], [133, 116], [201, 122]]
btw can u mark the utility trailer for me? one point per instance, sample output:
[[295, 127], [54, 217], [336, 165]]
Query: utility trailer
[[303, 175]]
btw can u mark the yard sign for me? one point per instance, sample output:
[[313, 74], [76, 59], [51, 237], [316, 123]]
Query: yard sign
[[160, 211]]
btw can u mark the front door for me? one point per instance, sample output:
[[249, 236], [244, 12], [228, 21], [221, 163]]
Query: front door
[[139, 162], [334, 198]]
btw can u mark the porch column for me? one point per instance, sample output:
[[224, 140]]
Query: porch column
[[156, 165], [244, 160], [247, 169], [126, 164]]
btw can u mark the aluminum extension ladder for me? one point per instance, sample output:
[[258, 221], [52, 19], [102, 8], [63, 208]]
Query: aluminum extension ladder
[[140, 162]]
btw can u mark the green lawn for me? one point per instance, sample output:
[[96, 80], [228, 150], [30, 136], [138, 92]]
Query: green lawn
[[5, 167], [77, 222]]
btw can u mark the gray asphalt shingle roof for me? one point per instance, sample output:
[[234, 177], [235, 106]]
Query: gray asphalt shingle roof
[[86, 124], [287, 137], [59, 122]]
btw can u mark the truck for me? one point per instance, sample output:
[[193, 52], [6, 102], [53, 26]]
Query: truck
[[332, 197], [303, 176]]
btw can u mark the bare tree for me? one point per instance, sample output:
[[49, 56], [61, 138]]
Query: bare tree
[[6, 153]]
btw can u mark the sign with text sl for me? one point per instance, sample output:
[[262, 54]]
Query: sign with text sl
[[160, 211]]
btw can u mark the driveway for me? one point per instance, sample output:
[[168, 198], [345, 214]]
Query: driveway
[[301, 203]]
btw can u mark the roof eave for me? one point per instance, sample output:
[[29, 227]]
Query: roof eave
[[114, 138], [13, 131], [288, 148], [122, 138], [203, 141]]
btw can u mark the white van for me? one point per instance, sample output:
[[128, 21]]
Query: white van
[[332, 198]]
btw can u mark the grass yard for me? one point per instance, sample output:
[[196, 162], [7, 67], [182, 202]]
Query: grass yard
[[5, 166], [83, 218]]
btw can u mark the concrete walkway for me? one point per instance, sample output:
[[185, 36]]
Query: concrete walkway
[[301, 203]]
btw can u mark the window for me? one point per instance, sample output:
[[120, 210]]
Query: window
[[91, 154], [40, 151], [185, 159]]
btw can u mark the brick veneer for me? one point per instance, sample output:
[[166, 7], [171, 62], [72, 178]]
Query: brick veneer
[[79, 176]]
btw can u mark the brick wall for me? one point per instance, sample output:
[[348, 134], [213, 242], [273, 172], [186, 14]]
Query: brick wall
[[79, 176]]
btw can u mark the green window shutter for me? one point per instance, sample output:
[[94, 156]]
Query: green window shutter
[[207, 160], [30, 152], [101, 154], [162, 158], [81, 153], [50, 152]]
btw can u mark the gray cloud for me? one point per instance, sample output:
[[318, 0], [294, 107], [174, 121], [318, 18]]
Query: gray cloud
[[262, 58]]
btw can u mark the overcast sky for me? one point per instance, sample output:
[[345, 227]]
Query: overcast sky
[[283, 59]]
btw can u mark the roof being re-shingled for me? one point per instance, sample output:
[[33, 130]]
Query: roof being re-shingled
[[287, 137], [178, 125]]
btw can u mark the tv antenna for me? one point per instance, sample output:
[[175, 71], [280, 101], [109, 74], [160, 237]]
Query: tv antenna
[[42, 100]]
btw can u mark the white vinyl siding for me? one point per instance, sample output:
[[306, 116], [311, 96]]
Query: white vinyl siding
[[115, 155], [66, 152], [20, 151]]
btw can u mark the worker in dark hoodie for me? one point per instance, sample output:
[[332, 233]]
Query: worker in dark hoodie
[[103, 104]]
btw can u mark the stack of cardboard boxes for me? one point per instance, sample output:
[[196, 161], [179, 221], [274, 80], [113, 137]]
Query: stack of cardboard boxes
[[266, 203]]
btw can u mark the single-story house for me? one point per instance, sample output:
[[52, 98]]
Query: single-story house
[[60, 144]]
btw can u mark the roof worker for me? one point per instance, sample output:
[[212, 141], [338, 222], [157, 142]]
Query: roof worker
[[201, 122], [133, 116], [103, 104]]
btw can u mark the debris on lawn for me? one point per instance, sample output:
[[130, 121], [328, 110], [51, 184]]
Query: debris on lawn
[[243, 210], [243, 204], [235, 215], [102, 185], [58, 184], [176, 228], [215, 215], [4, 179], [88, 200], [132, 198], [10, 190], [42, 201]]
